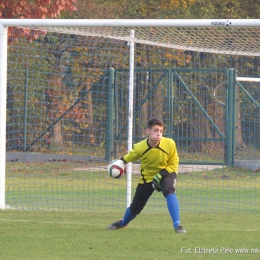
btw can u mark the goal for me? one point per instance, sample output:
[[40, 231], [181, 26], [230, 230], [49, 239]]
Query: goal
[[76, 94]]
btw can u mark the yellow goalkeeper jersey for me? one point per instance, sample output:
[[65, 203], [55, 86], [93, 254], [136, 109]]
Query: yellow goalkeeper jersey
[[163, 156]]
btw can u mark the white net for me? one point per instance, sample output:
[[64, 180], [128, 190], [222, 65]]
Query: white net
[[221, 40], [67, 114]]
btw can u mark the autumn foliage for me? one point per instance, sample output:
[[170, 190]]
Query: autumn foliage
[[36, 9]]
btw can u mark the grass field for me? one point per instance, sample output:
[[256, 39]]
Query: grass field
[[37, 235], [69, 186], [60, 210]]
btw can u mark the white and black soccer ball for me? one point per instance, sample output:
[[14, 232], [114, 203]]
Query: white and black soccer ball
[[116, 169]]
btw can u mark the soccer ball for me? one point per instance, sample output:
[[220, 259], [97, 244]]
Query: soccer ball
[[116, 169]]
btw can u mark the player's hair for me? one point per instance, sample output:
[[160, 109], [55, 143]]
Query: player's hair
[[154, 121]]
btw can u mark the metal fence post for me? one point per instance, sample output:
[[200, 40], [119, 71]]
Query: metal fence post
[[25, 111], [230, 118], [109, 137], [169, 108]]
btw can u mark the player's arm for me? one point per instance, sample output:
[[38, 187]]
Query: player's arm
[[132, 156], [173, 162]]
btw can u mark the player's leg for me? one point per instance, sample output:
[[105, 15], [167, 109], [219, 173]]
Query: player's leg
[[168, 188], [142, 194]]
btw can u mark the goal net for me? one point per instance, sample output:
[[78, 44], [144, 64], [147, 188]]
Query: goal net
[[80, 96], [223, 40]]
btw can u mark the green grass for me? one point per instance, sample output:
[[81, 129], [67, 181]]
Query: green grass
[[36, 235], [59, 185], [220, 210]]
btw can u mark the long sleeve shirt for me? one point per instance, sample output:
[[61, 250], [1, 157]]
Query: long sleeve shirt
[[154, 159]]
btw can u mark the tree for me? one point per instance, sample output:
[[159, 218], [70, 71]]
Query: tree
[[222, 9], [35, 9], [22, 9], [135, 9], [41, 9]]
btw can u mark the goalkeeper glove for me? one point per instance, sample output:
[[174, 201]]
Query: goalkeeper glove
[[157, 182]]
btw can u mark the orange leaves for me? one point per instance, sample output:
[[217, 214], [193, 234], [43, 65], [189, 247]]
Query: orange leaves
[[77, 113], [89, 9], [43, 10], [177, 56], [177, 3], [170, 56], [59, 101], [35, 9]]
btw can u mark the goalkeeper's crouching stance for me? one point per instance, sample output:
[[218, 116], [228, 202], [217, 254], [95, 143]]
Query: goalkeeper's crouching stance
[[159, 167]]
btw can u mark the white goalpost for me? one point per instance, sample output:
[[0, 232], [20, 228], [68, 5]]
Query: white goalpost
[[194, 35], [3, 82], [130, 117]]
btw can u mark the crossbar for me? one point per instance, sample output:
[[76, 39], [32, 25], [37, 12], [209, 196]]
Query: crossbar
[[247, 79], [131, 22]]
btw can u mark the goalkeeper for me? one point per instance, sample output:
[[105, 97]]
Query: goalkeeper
[[159, 166]]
